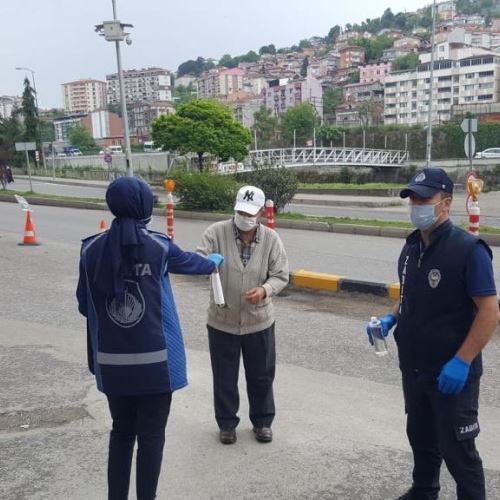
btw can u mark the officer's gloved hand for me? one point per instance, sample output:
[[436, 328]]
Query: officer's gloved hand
[[453, 376], [387, 322], [216, 258]]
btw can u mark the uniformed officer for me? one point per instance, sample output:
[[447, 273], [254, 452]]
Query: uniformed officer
[[136, 349], [447, 313]]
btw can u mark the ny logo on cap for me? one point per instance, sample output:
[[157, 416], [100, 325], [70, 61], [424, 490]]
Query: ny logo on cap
[[248, 196]]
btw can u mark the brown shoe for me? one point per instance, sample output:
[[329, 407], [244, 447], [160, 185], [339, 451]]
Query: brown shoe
[[263, 434], [227, 436]]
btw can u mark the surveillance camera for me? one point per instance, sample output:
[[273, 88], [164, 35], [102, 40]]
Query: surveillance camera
[[128, 40]]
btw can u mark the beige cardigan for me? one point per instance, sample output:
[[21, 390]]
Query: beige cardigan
[[268, 267]]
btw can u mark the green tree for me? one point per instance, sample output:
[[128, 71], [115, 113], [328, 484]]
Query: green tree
[[410, 61], [80, 137], [202, 126], [303, 68], [114, 108], [334, 32], [29, 112], [374, 48], [227, 61], [302, 119], [194, 67], [329, 133], [265, 126], [11, 132], [305, 44], [267, 49], [183, 93], [353, 77], [331, 99]]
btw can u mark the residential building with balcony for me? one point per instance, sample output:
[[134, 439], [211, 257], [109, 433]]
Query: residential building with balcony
[[471, 77], [8, 104], [141, 85], [142, 114], [84, 96], [370, 73], [220, 83], [283, 94], [351, 56]]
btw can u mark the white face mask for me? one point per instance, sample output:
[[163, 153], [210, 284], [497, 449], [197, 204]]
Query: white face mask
[[423, 217], [244, 223]]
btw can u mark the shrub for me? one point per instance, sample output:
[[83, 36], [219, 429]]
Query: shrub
[[278, 183], [205, 191]]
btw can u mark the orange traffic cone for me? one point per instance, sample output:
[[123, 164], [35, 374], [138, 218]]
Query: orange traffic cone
[[102, 225], [29, 232]]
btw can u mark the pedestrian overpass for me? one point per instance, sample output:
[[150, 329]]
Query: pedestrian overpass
[[318, 157]]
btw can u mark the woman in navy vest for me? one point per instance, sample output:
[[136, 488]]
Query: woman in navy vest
[[136, 350]]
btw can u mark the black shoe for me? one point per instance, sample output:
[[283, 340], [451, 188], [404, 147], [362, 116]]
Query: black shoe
[[227, 436], [263, 434], [407, 496]]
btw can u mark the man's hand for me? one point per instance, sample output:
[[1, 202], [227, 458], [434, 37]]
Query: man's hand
[[255, 295], [387, 322], [453, 376]]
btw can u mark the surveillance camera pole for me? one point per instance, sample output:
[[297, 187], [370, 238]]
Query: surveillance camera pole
[[113, 31]]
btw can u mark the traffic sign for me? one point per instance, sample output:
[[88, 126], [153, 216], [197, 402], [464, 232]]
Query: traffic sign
[[470, 141], [108, 158], [25, 146], [469, 125]]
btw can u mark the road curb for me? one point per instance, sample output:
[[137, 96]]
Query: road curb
[[387, 232], [308, 281]]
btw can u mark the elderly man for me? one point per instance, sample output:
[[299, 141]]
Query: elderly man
[[254, 270], [446, 314]]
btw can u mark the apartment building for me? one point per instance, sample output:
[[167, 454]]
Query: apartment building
[[84, 96], [469, 76], [8, 104], [244, 110], [220, 83], [282, 94], [141, 114], [147, 85], [446, 10], [350, 56]]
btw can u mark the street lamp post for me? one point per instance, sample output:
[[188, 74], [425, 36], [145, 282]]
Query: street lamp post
[[113, 31], [37, 112], [429, 116]]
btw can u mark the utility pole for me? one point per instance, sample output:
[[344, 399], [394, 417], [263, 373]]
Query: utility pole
[[113, 31], [429, 116]]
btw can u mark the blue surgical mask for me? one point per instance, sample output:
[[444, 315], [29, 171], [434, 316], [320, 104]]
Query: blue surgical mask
[[423, 217]]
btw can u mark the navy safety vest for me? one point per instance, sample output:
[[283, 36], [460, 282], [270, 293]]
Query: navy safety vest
[[436, 312], [136, 346]]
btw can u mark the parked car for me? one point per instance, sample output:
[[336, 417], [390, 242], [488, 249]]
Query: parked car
[[72, 151], [489, 153], [116, 149]]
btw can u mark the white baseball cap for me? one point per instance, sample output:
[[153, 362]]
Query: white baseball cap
[[250, 199]]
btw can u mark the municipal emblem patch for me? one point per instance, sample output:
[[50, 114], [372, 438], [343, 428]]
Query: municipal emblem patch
[[420, 177], [434, 277], [129, 312]]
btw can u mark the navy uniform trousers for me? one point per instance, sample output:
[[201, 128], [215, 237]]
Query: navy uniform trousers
[[443, 427], [259, 358]]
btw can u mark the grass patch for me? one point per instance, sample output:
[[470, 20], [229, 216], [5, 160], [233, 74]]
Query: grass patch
[[338, 185], [34, 195]]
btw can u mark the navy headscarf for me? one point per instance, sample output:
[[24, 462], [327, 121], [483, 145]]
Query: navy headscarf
[[131, 202]]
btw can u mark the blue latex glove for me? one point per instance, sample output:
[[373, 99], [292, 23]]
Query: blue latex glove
[[216, 258], [387, 321], [453, 376]]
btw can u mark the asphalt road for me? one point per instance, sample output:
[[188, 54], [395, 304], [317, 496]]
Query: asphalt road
[[339, 431]]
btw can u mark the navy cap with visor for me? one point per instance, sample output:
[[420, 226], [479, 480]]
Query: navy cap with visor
[[427, 183]]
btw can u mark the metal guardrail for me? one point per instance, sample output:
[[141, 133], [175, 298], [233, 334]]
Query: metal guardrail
[[310, 156]]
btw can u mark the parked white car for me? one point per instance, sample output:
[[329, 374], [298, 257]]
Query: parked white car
[[489, 153]]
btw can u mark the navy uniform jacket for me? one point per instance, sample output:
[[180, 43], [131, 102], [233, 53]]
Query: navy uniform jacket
[[136, 345], [436, 311]]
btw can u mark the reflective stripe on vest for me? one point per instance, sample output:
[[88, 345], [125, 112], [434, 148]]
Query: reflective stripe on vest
[[139, 358]]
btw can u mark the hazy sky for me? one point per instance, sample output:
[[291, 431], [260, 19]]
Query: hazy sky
[[56, 38]]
